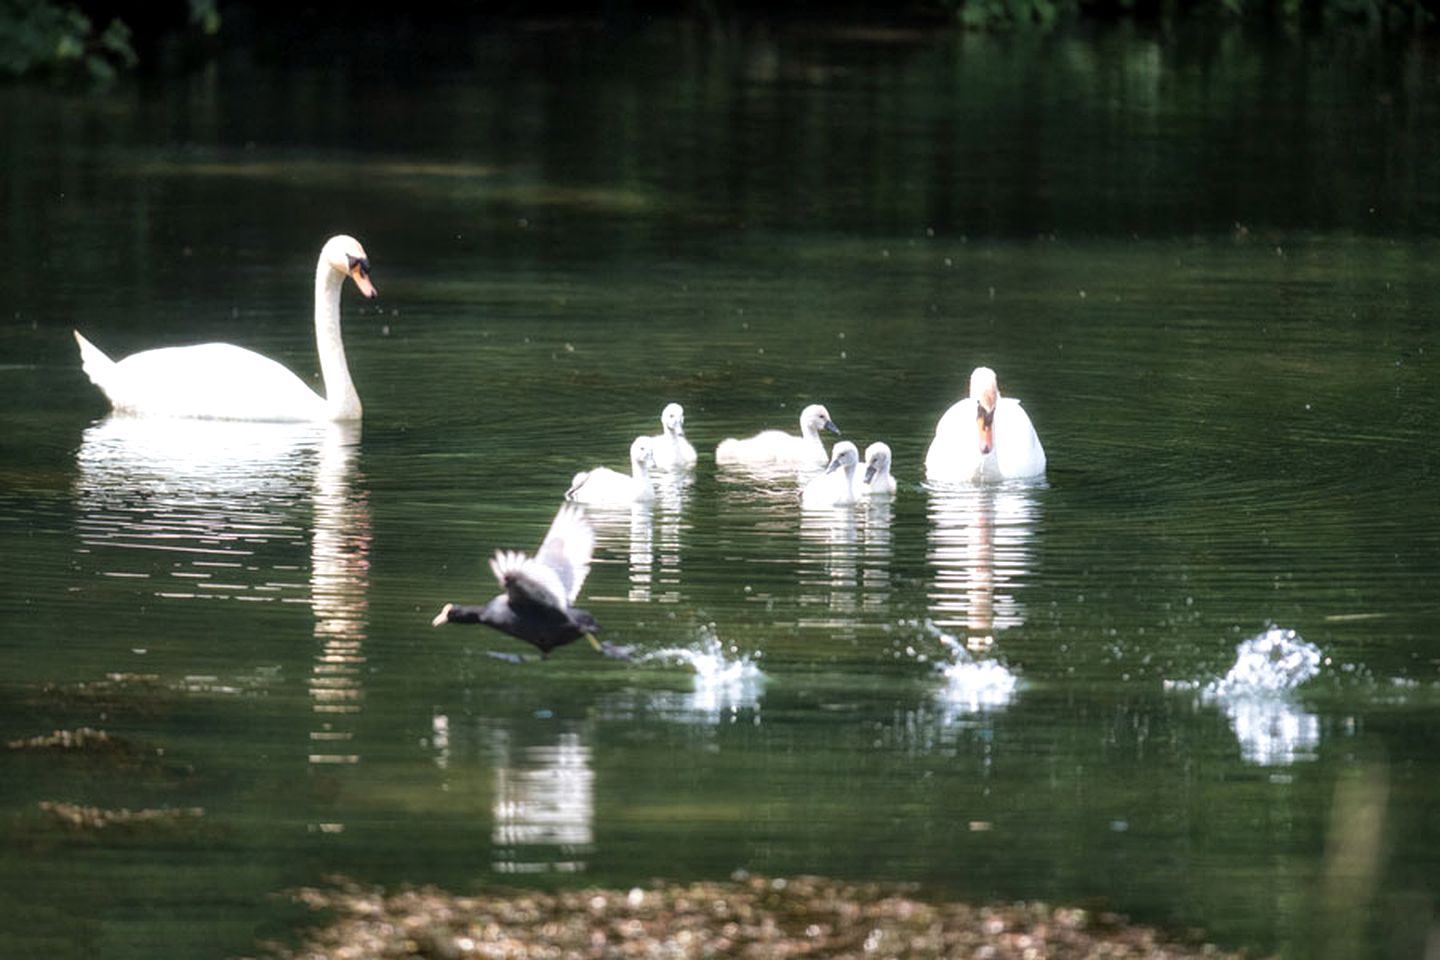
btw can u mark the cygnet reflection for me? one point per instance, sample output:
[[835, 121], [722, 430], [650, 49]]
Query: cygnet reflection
[[844, 564], [650, 537]]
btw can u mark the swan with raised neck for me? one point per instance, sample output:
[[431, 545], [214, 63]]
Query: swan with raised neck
[[224, 382]]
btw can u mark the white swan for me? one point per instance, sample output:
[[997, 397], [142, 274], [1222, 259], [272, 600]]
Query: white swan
[[984, 437], [876, 480], [603, 486], [672, 450], [779, 447], [836, 486], [220, 381]]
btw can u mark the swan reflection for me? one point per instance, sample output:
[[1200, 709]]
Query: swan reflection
[[197, 507], [979, 549], [220, 511], [339, 585]]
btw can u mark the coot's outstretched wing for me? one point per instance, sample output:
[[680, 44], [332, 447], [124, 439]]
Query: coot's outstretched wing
[[567, 548], [528, 582], [553, 577]]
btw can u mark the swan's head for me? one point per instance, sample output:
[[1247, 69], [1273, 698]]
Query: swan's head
[[642, 453], [844, 456], [817, 418], [877, 460], [985, 391], [347, 258], [672, 419]]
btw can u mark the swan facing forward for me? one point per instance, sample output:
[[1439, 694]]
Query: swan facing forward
[[779, 447], [876, 481], [537, 605], [603, 486], [984, 437], [220, 381], [836, 487], [672, 450]]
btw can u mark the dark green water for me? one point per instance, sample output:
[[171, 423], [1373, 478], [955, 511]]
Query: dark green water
[[1209, 270]]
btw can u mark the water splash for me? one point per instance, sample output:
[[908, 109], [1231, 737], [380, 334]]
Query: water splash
[[726, 681], [971, 685], [1255, 696], [1275, 662], [978, 686]]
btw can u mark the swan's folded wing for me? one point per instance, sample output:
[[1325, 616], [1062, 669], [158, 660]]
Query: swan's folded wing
[[527, 581], [567, 548]]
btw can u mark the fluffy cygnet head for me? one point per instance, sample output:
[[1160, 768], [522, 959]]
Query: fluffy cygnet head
[[672, 420], [345, 256], [815, 418], [877, 460], [642, 456], [985, 391], [844, 456]]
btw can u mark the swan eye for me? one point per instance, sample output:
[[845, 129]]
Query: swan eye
[[359, 263]]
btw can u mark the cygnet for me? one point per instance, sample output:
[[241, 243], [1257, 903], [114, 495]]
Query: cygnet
[[836, 486], [603, 486], [876, 481], [672, 451], [779, 447]]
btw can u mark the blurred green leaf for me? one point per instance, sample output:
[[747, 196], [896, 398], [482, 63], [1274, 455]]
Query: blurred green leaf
[[40, 35], [205, 14]]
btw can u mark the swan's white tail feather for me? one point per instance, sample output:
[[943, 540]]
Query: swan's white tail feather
[[93, 361]]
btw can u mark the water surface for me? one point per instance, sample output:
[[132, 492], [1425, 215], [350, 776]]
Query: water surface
[[1209, 271]]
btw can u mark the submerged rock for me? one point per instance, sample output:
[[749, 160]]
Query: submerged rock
[[748, 916], [96, 818], [98, 748], [81, 738]]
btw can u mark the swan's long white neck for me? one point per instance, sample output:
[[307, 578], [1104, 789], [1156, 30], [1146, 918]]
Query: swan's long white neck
[[341, 400]]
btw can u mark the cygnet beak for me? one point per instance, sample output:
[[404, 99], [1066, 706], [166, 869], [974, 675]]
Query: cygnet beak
[[830, 425], [870, 471]]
